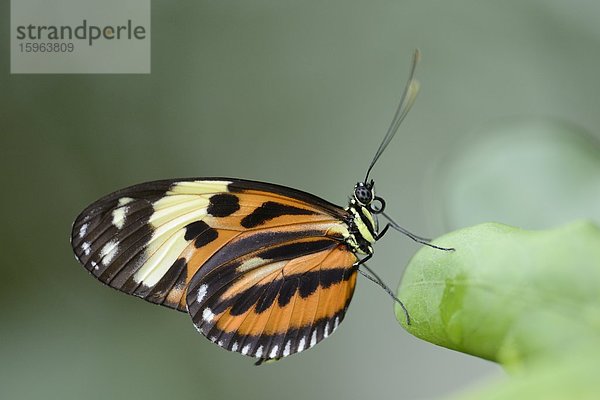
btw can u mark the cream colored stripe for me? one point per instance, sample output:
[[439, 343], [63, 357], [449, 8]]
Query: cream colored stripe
[[200, 187], [165, 231], [166, 214], [161, 260], [172, 199]]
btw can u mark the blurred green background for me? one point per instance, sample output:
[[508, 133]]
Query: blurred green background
[[297, 93]]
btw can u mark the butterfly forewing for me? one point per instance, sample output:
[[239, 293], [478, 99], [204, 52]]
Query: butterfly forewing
[[249, 245]]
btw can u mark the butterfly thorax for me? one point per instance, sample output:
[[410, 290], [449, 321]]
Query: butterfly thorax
[[363, 228]]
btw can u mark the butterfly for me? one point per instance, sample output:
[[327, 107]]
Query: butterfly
[[262, 269]]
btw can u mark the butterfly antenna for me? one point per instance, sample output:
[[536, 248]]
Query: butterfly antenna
[[406, 102], [375, 278], [393, 224]]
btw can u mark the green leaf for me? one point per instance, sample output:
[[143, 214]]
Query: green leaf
[[527, 299]]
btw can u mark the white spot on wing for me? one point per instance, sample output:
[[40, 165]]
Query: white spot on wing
[[259, 352], [201, 293], [125, 200], [246, 349], [118, 217], [302, 344], [109, 251], [220, 343], [83, 230], [95, 265], [326, 333], [85, 246], [274, 351], [313, 339], [207, 315], [235, 346], [336, 323], [287, 349]]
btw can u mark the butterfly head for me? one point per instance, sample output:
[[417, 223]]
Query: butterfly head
[[364, 195], [364, 192]]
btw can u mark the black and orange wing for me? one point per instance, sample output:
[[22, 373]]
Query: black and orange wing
[[280, 296], [152, 239]]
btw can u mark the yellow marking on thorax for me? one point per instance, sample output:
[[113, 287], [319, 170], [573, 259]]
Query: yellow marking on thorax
[[370, 218], [362, 228]]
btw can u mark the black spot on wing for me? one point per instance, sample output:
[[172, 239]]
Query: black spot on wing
[[287, 290], [310, 281], [270, 210], [247, 300], [200, 231], [195, 229], [223, 205], [268, 297], [308, 284], [329, 277], [207, 237]]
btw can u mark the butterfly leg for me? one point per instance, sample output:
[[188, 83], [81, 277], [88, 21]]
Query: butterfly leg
[[362, 261], [383, 232], [373, 277]]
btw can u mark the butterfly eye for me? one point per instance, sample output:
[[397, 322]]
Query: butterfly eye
[[363, 194]]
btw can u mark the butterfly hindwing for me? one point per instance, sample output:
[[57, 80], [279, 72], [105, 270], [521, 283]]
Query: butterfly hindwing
[[276, 298]]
